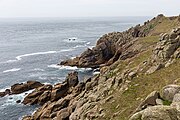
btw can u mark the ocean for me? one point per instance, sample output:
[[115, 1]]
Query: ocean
[[30, 49]]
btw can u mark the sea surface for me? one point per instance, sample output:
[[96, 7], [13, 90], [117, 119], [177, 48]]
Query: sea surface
[[30, 48]]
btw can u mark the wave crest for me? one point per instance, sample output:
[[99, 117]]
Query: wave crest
[[12, 70]]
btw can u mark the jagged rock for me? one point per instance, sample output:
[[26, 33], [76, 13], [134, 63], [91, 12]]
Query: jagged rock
[[6, 92], [18, 101], [150, 100], [37, 97], [27, 118], [176, 98], [34, 84], [157, 113], [109, 48], [63, 114], [19, 88], [44, 97], [72, 79], [2, 94], [154, 68], [60, 92], [168, 92]]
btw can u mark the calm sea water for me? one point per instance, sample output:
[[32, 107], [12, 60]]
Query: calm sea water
[[30, 48]]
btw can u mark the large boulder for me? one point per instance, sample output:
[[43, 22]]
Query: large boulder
[[23, 87], [159, 112], [34, 84], [4, 93], [150, 100], [168, 92], [19, 88]]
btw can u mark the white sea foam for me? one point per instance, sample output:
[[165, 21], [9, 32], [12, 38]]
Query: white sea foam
[[95, 73], [66, 50], [91, 47], [79, 46], [32, 54], [73, 57], [88, 43], [11, 100], [69, 68], [2, 90], [38, 69], [62, 67], [12, 70]]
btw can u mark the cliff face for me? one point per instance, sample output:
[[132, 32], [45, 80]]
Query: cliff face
[[135, 65]]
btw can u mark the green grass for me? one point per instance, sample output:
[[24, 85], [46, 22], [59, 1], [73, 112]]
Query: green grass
[[126, 102], [166, 102], [139, 88]]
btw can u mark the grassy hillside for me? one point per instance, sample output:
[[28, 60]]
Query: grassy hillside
[[123, 104]]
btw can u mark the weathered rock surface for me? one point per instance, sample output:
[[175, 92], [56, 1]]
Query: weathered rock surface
[[150, 100], [20, 88], [166, 51], [169, 91], [110, 47], [157, 113], [47, 93]]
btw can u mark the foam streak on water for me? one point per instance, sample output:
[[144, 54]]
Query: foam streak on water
[[12, 70]]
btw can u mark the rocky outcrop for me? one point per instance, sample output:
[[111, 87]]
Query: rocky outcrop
[[166, 51], [47, 93], [157, 113], [170, 97], [110, 47], [72, 99], [6, 92], [21, 87]]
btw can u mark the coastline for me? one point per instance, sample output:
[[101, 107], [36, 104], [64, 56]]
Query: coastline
[[113, 54]]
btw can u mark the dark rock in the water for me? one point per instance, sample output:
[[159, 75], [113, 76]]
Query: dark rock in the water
[[6, 92], [34, 84], [19, 88], [49, 93], [2, 94], [18, 101]]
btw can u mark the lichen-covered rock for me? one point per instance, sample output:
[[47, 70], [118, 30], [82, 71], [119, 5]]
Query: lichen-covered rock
[[159, 112], [150, 100], [168, 92]]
